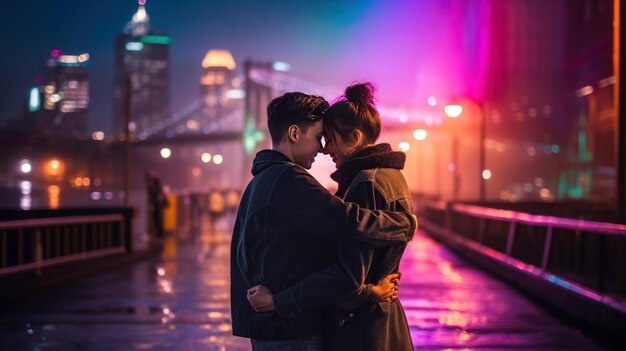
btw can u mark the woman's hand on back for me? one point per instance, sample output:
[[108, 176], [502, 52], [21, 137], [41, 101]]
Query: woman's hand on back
[[386, 290]]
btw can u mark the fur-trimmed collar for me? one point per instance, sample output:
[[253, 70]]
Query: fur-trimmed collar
[[377, 156]]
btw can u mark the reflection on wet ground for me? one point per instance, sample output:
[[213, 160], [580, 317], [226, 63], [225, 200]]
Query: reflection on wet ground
[[453, 306], [180, 301]]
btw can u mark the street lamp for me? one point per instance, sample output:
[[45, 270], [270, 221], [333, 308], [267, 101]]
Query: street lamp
[[166, 152], [25, 166], [218, 159], [420, 135], [454, 111]]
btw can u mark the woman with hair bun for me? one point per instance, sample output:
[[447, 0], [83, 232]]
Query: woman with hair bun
[[368, 174], [370, 317]]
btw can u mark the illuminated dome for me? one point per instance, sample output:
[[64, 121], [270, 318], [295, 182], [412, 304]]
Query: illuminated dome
[[219, 58], [141, 16]]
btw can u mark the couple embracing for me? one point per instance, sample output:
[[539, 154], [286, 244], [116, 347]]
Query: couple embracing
[[311, 270]]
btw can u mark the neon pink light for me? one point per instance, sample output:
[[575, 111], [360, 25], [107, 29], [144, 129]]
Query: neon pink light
[[55, 52], [525, 218], [142, 2], [522, 267]]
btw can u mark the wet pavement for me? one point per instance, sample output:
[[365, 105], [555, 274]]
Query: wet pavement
[[180, 301]]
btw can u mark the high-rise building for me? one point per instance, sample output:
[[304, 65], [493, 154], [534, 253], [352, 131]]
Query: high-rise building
[[141, 62], [218, 73], [59, 103]]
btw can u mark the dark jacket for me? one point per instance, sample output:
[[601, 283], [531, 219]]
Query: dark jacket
[[372, 178], [286, 229]]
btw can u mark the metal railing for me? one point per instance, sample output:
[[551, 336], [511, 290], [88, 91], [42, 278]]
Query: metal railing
[[586, 257], [36, 243]]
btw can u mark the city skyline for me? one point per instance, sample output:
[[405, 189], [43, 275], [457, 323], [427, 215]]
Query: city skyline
[[330, 43], [537, 113]]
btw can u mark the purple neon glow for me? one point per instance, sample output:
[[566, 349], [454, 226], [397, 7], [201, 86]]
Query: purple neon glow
[[525, 218], [524, 267], [410, 50]]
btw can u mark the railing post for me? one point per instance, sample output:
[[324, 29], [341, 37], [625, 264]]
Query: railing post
[[75, 238], [48, 243], [510, 239], [66, 231], [38, 243], [481, 230], [448, 217], [5, 250], [546, 249], [57, 232], [601, 262], [83, 234], [38, 251], [109, 234], [20, 246]]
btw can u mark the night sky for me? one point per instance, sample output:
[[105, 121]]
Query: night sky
[[405, 47]]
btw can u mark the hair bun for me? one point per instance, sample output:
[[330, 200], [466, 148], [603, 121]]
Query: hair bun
[[362, 93]]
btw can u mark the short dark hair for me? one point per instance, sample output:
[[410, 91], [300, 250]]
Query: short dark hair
[[293, 108], [355, 110]]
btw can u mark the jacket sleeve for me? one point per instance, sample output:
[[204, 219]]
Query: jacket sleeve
[[303, 202], [343, 280]]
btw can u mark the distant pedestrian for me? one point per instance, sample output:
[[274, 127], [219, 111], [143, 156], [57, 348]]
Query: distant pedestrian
[[157, 202]]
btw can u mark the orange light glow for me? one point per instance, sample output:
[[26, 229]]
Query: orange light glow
[[53, 196], [219, 58], [454, 318], [446, 269], [464, 336], [54, 167]]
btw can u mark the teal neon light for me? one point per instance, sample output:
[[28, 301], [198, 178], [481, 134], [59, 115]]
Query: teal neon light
[[134, 46], [156, 39], [34, 102], [251, 136]]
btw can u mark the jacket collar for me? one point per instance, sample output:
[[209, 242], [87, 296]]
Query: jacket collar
[[267, 158], [377, 156]]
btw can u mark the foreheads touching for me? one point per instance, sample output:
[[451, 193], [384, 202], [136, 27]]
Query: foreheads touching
[[354, 118]]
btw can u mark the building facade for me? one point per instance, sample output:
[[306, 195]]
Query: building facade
[[59, 102], [141, 75]]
